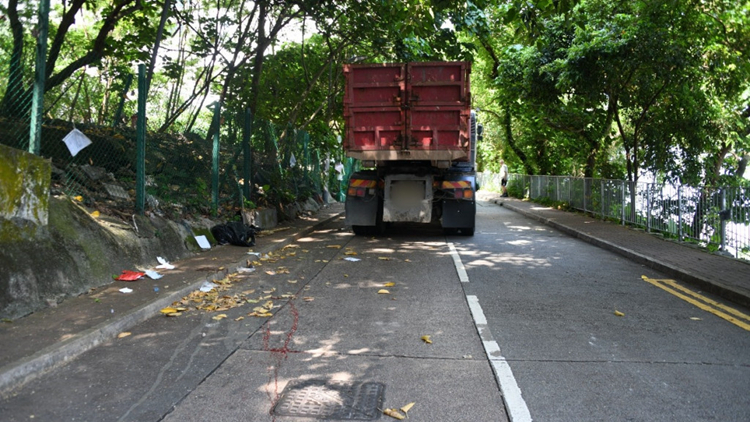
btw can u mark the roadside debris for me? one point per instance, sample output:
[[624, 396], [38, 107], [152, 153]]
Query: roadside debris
[[153, 275], [399, 414], [128, 275], [126, 290], [426, 339], [164, 264], [234, 233], [203, 242], [618, 313]]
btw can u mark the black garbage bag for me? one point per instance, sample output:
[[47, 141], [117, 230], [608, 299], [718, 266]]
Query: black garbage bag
[[235, 233]]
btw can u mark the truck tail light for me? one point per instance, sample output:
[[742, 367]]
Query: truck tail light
[[359, 187]]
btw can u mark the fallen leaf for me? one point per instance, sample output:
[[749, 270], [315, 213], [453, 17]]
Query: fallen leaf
[[407, 260], [95, 214], [384, 258], [305, 250], [308, 299], [695, 318], [123, 334], [173, 314], [334, 246], [168, 310], [350, 253], [394, 413], [219, 317], [408, 407], [292, 281], [346, 275], [618, 313], [389, 284], [426, 339], [78, 198], [383, 292], [239, 318]]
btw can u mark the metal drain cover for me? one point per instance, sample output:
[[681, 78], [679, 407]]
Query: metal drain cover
[[324, 399]]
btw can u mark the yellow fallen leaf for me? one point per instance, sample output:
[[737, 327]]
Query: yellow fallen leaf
[[174, 314], [426, 339], [239, 318], [78, 198], [308, 299], [383, 292], [346, 275], [407, 260], [168, 310], [334, 246], [384, 258], [123, 334], [389, 284], [350, 253], [408, 407], [95, 214], [219, 317], [394, 413], [305, 250], [291, 281], [618, 313]]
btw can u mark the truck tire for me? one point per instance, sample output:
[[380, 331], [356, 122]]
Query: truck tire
[[361, 230]]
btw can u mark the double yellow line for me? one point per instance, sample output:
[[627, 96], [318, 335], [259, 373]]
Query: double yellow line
[[720, 310]]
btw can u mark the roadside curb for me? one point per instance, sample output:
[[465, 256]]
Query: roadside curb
[[18, 373], [712, 286]]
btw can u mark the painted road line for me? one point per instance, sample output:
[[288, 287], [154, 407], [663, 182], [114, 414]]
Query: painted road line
[[514, 402], [700, 301], [711, 302], [459, 265]]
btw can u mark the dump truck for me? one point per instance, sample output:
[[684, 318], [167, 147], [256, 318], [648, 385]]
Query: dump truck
[[412, 128]]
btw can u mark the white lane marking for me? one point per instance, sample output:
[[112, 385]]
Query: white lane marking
[[514, 402], [459, 265]]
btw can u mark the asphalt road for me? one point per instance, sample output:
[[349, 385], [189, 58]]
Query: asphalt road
[[550, 303], [551, 347]]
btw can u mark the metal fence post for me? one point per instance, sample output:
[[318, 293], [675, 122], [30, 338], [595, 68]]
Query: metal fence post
[[37, 103], [140, 165], [622, 211], [679, 212], [648, 207], [215, 168], [601, 196], [247, 155], [723, 219]]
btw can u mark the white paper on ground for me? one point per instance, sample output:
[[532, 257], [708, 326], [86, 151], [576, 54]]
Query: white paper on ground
[[208, 286], [163, 263], [76, 141], [203, 242], [126, 290], [351, 259], [153, 274]]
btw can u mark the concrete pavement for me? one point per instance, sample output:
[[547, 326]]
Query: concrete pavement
[[44, 340]]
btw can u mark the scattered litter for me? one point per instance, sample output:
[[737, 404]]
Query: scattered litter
[[618, 313], [153, 275], [156, 289], [245, 270], [123, 334], [126, 290], [128, 275], [164, 264], [234, 233], [203, 242], [467, 356], [394, 413], [207, 286], [426, 339], [257, 254], [383, 292], [348, 258], [219, 317], [695, 318]]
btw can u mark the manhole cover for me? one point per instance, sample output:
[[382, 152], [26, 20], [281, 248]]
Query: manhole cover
[[331, 400]]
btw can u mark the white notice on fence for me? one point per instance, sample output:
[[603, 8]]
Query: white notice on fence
[[76, 141]]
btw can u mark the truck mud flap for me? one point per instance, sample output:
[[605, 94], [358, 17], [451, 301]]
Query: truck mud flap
[[459, 214], [361, 211]]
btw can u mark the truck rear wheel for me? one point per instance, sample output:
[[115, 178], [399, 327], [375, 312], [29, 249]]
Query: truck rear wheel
[[360, 230]]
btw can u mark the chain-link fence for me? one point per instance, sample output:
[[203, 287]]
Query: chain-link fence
[[91, 135], [717, 218]]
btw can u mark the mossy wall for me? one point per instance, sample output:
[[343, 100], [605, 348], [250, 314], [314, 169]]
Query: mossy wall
[[75, 252], [24, 186]]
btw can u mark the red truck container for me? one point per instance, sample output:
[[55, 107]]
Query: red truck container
[[411, 124]]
